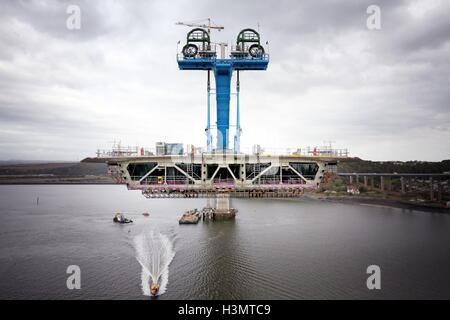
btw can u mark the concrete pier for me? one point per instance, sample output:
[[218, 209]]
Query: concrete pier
[[402, 182], [431, 189], [439, 197], [223, 210]]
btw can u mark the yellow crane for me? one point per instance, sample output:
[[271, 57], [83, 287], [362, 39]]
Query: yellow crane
[[201, 24]]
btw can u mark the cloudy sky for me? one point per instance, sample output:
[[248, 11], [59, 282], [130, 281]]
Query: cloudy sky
[[384, 94]]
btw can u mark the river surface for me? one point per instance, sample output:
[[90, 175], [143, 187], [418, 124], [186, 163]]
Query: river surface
[[274, 249]]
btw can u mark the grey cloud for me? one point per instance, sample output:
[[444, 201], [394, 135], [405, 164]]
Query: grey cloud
[[329, 76]]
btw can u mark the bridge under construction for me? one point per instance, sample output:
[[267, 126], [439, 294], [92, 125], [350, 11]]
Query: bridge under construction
[[207, 174], [221, 169]]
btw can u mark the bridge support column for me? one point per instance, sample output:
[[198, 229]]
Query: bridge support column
[[439, 195], [365, 181], [382, 183], [222, 73], [351, 179], [402, 182], [431, 189], [223, 210], [372, 182]]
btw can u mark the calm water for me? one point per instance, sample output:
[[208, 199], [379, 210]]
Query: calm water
[[273, 250]]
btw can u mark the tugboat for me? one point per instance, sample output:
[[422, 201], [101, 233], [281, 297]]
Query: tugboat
[[119, 218]]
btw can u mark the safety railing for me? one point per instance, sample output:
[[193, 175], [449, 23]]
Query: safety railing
[[139, 152], [223, 181], [271, 181], [160, 181], [181, 57]]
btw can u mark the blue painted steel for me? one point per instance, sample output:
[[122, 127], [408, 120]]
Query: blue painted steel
[[222, 74], [223, 69], [237, 136], [209, 64], [208, 121]]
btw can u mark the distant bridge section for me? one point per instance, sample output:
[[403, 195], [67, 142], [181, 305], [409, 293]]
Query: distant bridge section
[[435, 184]]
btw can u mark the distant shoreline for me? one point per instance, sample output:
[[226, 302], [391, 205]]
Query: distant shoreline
[[380, 202], [54, 183], [56, 180]]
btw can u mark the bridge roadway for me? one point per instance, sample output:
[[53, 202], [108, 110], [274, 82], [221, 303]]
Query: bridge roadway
[[205, 175]]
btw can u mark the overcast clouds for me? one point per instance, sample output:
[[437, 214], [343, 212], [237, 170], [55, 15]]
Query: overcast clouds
[[384, 94]]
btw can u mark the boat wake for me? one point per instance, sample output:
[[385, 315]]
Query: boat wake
[[154, 252]]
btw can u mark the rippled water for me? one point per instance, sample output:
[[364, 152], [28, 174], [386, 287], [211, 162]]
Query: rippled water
[[281, 249], [154, 252]]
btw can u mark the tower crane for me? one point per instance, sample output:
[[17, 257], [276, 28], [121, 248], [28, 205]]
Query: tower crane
[[199, 24]]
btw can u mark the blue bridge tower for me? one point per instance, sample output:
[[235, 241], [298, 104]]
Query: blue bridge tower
[[198, 54]]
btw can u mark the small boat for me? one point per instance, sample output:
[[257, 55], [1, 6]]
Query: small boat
[[154, 288], [146, 214], [119, 218]]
